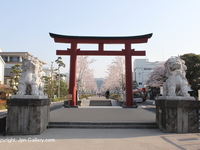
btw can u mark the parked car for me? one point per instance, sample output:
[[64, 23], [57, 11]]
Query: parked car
[[144, 94], [138, 96]]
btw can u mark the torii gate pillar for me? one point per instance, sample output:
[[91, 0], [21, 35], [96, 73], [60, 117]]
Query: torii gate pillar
[[72, 75], [128, 72], [127, 52]]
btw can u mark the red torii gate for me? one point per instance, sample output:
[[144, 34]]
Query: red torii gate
[[127, 52]]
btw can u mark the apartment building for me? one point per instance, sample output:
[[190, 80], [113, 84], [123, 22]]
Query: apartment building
[[141, 70]]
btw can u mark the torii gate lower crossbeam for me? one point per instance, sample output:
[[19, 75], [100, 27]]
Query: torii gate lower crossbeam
[[127, 52]]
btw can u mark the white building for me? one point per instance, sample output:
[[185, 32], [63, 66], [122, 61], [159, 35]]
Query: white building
[[142, 69], [2, 64], [11, 59]]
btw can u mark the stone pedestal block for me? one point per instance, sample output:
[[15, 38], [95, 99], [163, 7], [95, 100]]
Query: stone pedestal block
[[27, 116], [178, 116]]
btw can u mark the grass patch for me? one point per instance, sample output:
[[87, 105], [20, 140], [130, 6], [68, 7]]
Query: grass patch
[[58, 99]]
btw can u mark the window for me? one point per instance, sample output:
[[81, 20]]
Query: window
[[148, 69], [138, 69], [5, 58], [14, 58]]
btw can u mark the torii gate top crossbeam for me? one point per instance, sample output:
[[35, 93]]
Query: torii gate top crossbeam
[[98, 39]]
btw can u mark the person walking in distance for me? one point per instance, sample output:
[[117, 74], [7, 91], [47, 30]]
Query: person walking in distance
[[107, 94]]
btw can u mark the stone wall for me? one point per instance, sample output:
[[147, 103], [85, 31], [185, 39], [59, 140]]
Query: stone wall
[[27, 116], [2, 124], [178, 116]]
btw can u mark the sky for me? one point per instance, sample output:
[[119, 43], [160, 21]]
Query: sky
[[25, 27]]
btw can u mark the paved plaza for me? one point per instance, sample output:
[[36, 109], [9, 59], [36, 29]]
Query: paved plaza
[[102, 139], [112, 113]]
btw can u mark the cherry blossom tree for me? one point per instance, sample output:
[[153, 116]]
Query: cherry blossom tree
[[155, 80], [115, 80], [85, 76], [157, 76]]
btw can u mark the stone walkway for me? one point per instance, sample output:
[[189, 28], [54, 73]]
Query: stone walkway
[[101, 113], [86, 103]]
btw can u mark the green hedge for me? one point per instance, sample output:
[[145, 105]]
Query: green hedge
[[118, 97], [3, 106]]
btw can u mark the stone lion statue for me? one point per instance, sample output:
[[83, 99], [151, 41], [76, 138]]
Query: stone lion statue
[[176, 83], [30, 82]]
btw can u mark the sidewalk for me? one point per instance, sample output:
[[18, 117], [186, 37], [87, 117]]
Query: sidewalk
[[102, 139]]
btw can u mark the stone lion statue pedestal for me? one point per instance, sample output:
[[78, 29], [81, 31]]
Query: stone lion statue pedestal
[[29, 110], [178, 116], [176, 110]]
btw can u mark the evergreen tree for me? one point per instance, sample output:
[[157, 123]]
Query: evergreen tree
[[14, 79], [60, 64], [192, 61]]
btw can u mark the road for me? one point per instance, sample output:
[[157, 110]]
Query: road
[[56, 105], [147, 105]]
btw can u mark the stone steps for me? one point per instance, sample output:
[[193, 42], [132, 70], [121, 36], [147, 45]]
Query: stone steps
[[104, 125]]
